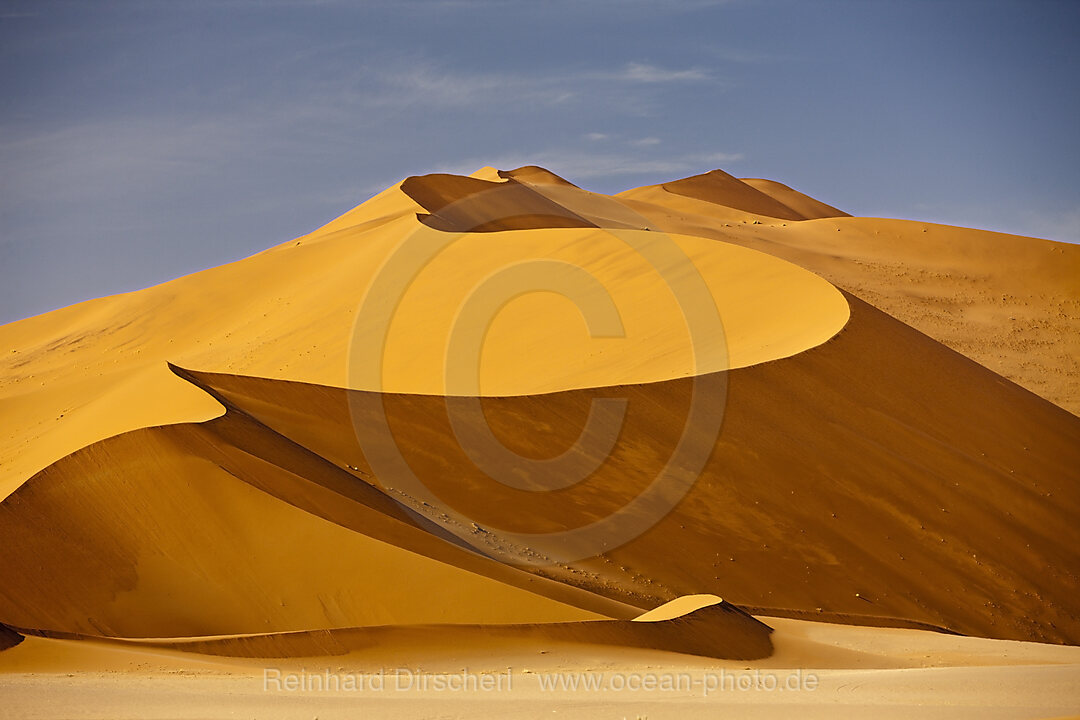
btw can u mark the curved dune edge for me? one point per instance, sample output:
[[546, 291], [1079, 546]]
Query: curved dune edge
[[869, 474], [887, 501], [678, 607], [1008, 302], [226, 527], [72, 371], [539, 342], [716, 631]]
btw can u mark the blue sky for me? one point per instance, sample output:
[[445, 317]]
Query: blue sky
[[145, 140]]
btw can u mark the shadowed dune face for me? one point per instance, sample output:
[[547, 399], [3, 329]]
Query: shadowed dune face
[[1010, 303], [723, 189], [226, 527], [879, 474], [534, 175], [463, 204], [84, 373], [9, 638]]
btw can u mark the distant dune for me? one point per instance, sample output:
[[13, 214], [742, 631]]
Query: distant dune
[[723, 189], [707, 388]]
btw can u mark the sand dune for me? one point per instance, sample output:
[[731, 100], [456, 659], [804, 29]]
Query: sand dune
[[72, 374], [535, 175], [102, 543], [948, 490], [943, 480], [723, 189], [715, 630], [678, 607], [367, 443], [522, 199], [887, 673], [514, 207], [1010, 303]]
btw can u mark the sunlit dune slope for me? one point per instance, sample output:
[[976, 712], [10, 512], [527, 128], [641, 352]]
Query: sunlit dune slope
[[1010, 303], [647, 312], [175, 531], [96, 369], [879, 474], [678, 607], [857, 671]]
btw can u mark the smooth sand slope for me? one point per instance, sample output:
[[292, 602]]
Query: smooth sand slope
[[97, 369], [200, 530], [852, 478], [722, 388], [1010, 303]]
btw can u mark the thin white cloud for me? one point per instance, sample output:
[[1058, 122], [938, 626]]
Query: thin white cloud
[[645, 141], [643, 73], [425, 84], [723, 157], [596, 137], [743, 57]]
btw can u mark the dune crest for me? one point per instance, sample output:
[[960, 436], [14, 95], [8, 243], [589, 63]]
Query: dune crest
[[72, 373], [720, 188]]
